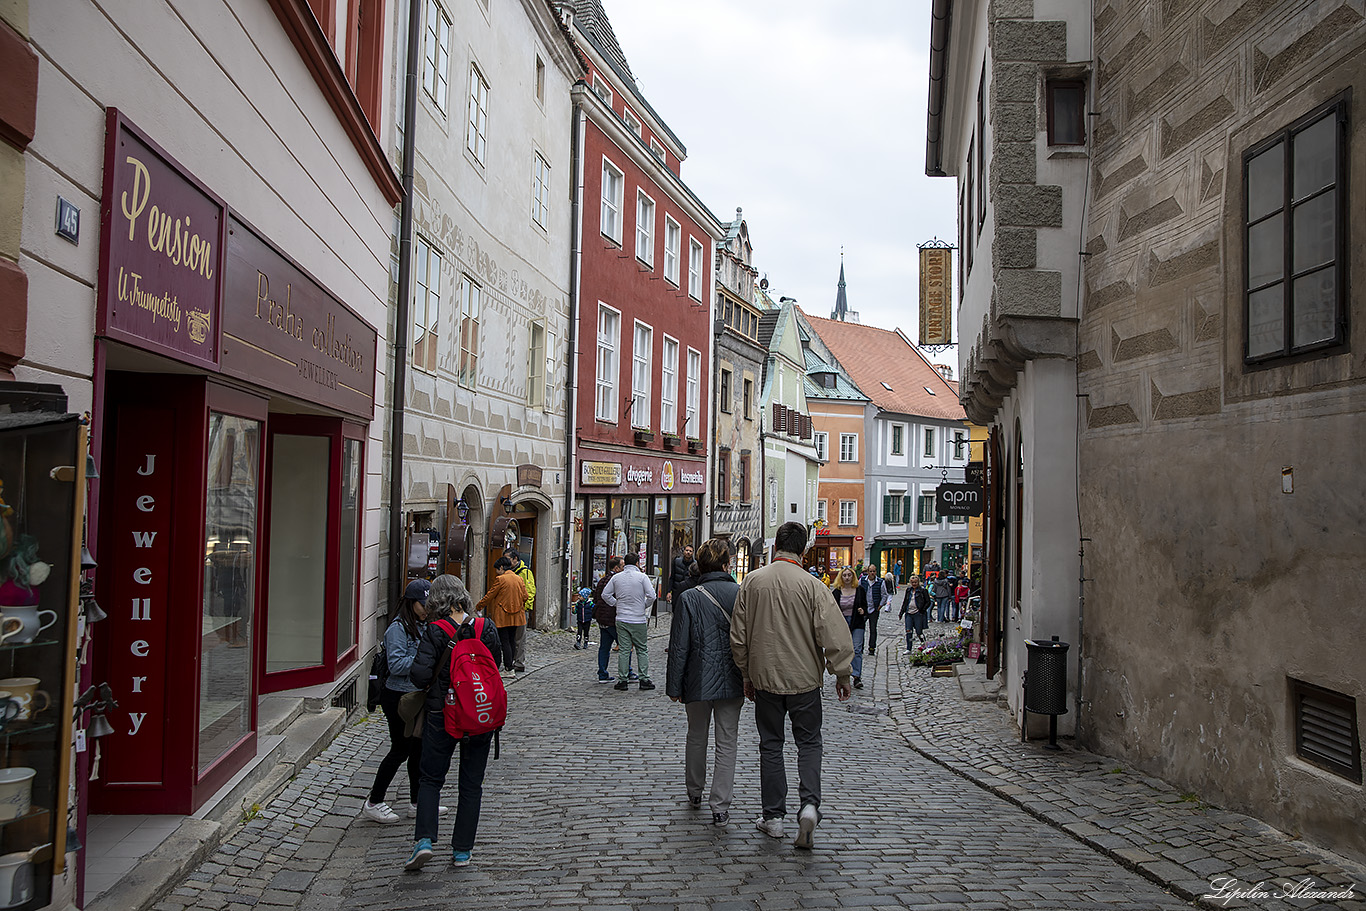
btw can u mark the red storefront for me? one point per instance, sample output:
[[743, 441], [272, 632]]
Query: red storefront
[[233, 394]]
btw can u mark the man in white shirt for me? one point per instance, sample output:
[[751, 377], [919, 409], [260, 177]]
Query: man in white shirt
[[633, 595]]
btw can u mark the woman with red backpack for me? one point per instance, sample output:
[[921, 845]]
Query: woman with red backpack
[[448, 601]]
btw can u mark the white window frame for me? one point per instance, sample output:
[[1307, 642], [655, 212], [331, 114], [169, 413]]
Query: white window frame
[[548, 397], [602, 90], [919, 509], [608, 363], [632, 122], [437, 55], [535, 368], [694, 268], [823, 510], [540, 190], [539, 84], [426, 301], [642, 356], [471, 305], [694, 394], [822, 440], [848, 513], [960, 443], [898, 441], [476, 136], [929, 442], [657, 151], [673, 239], [645, 228], [613, 190], [848, 447], [668, 398], [725, 389]]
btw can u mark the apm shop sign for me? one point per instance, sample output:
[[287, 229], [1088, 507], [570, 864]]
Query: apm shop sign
[[958, 500]]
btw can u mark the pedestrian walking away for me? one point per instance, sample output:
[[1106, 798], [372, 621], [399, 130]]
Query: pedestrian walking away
[[786, 633], [505, 602], [400, 648], [633, 594], [915, 607], [701, 673], [523, 572], [431, 669], [852, 599], [606, 615]]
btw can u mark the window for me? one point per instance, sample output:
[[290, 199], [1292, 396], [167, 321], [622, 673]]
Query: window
[[657, 150], [540, 190], [970, 236], [896, 508], [468, 373], [672, 234], [609, 336], [926, 510], [849, 447], [724, 395], [601, 90], [694, 269], [898, 444], [475, 139], [823, 511], [1066, 112], [959, 441], [981, 151], [749, 400], [535, 379], [929, 442], [640, 376], [548, 396], [1295, 237], [668, 400], [438, 55], [848, 512], [645, 228], [744, 477], [426, 304], [612, 184], [723, 476], [631, 120], [958, 520], [540, 79], [694, 393], [821, 440]]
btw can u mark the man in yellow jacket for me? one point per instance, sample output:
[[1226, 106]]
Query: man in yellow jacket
[[786, 632], [505, 604], [524, 573]]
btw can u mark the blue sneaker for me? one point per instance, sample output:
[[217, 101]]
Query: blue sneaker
[[422, 852], [634, 676], [460, 858]]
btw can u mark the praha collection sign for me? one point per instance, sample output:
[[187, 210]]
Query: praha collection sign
[[958, 500], [185, 277]]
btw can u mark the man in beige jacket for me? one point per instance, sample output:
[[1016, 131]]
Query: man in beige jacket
[[786, 631]]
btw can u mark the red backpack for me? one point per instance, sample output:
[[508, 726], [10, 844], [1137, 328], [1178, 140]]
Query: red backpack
[[477, 702]]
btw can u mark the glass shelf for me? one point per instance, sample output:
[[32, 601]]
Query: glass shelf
[[19, 728], [34, 813], [13, 646]]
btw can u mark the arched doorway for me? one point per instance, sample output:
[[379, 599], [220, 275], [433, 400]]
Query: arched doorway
[[464, 535], [514, 522]]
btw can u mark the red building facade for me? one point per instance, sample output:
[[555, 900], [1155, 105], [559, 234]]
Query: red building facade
[[643, 336]]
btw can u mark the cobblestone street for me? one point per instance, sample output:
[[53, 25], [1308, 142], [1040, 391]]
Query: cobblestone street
[[586, 809]]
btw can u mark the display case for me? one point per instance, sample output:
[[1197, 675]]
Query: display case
[[42, 480]]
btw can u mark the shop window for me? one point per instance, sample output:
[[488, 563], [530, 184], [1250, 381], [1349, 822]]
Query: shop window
[[741, 560], [1295, 236]]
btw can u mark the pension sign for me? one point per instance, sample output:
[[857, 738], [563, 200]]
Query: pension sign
[[958, 500]]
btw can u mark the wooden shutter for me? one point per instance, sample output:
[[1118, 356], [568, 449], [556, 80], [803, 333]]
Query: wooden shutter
[[887, 510], [906, 510]]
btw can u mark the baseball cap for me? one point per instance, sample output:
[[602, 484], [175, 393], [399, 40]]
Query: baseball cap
[[417, 590]]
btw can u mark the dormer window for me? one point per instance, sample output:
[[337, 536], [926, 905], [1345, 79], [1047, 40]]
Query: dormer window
[[927, 389], [885, 386]]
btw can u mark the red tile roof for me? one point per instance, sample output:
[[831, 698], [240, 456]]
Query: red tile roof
[[879, 358]]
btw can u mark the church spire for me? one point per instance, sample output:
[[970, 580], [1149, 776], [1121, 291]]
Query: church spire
[[841, 311]]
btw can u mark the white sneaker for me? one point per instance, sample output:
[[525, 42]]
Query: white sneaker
[[771, 827], [412, 811], [379, 812], [806, 826]]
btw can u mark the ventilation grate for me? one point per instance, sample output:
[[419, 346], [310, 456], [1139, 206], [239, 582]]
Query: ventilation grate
[[1326, 729], [346, 698]]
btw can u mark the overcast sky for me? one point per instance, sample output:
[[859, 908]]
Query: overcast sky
[[810, 114]]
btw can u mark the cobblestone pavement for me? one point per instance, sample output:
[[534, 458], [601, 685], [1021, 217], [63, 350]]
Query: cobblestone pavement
[[586, 809]]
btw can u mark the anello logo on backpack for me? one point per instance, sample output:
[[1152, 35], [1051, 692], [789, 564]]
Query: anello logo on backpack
[[476, 702]]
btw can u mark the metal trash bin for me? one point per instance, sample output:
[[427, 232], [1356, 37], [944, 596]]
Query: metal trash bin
[[1045, 690]]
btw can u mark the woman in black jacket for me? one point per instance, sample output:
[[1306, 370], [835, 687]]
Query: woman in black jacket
[[701, 673], [845, 587], [448, 601]]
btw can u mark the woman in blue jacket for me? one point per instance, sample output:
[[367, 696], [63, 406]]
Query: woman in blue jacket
[[400, 648]]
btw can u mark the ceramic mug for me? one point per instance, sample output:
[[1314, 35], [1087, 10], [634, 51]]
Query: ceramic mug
[[10, 625], [31, 619], [16, 879], [16, 793], [24, 689]]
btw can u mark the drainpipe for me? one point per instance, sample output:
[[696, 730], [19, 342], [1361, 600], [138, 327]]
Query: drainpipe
[[571, 359], [941, 21], [397, 558]]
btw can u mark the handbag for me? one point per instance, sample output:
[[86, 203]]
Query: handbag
[[410, 709], [379, 673]]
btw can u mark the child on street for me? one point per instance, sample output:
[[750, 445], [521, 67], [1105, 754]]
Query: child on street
[[583, 613]]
